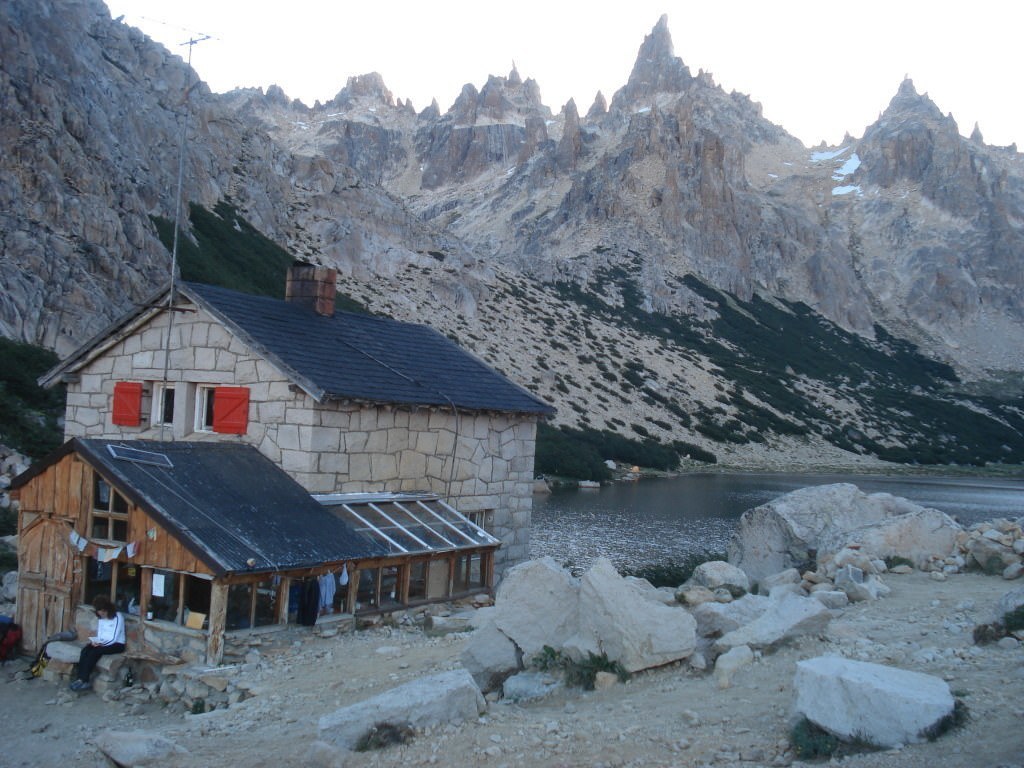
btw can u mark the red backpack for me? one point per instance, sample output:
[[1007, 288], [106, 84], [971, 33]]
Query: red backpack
[[10, 640]]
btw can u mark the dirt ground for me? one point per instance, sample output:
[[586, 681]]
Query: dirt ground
[[666, 717]]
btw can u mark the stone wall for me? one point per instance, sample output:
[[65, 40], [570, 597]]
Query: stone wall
[[479, 462]]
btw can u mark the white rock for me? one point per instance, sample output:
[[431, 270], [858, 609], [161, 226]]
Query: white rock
[[628, 625], [730, 661], [785, 619], [715, 619], [139, 748], [1013, 571], [537, 604], [1009, 602], [882, 705], [832, 599], [788, 531], [489, 655], [788, 576], [715, 574], [447, 697], [529, 686]]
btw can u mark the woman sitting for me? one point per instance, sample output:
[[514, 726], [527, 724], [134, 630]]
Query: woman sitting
[[109, 638]]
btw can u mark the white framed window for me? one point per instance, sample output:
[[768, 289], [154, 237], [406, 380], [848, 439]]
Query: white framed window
[[204, 407], [163, 404]]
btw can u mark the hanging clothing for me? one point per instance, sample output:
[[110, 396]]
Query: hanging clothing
[[326, 583]]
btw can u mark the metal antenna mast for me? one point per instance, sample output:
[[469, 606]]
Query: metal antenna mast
[[182, 144]]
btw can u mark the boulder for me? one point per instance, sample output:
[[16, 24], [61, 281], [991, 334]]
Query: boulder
[[730, 661], [489, 655], [691, 594], [716, 619], [536, 604], [793, 530], [716, 574], [859, 586], [833, 599], [529, 686], [882, 705], [1008, 603], [990, 555], [139, 748], [627, 624], [918, 535], [68, 652], [784, 619], [788, 576], [447, 697]]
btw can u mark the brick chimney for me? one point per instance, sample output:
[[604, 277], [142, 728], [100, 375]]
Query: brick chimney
[[312, 286]]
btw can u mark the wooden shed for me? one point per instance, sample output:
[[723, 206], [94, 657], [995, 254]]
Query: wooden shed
[[193, 540]]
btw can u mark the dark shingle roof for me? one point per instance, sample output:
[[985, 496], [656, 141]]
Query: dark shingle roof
[[359, 357], [227, 504]]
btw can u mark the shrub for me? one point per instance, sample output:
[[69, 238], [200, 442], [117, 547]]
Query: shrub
[[955, 719], [578, 674], [383, 735], [1014, 620], [811, 741]]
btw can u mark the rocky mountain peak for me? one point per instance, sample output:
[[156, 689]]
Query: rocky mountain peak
[[908, 103], [599, 107], [368, 86], [502, 99], [657, 70]]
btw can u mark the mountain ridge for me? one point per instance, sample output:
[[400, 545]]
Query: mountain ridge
[[451, 218]]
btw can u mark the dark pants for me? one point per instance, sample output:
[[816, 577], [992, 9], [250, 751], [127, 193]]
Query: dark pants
[[91, 654]]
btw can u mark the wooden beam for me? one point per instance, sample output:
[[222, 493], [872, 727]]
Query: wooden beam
[[217, 620]]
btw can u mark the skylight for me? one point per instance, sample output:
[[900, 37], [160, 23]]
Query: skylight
[[138, 456], [408, 523]]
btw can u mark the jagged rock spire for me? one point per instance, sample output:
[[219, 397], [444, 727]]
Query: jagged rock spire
[[657, 70]]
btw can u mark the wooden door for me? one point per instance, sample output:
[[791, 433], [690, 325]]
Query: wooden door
[[45, 580]]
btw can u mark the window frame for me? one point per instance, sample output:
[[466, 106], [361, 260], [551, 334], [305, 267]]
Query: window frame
[[205, 397], [184, 582], [158, 408], [100, 509]]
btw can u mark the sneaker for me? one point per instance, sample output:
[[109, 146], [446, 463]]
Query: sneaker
[[75, 685]]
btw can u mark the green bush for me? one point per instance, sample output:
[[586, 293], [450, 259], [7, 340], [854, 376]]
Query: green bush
[[578, 674], [812, 742]]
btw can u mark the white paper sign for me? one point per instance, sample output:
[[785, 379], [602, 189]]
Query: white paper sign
[[158, 585]]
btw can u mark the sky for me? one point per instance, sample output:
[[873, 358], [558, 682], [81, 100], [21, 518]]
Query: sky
[[818, 69]]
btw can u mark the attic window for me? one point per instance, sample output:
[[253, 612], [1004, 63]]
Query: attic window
[[163, 404], [222, 409]]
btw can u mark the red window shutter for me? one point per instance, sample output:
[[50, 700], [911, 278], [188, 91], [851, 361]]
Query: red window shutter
[[127, 409], [231, 410]]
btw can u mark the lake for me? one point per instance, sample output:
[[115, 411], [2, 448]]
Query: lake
[[659, 520]]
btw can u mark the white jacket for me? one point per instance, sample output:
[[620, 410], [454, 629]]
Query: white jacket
[[109, 631]]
